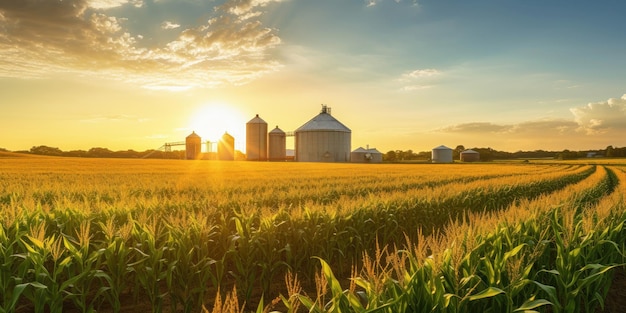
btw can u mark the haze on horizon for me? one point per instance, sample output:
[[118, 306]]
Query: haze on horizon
[[133, 74]]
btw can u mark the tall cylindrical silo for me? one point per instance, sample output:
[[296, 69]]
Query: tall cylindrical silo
[[277, 145], [256, 139], [323, 139], [442, 154], [226, 148], [193, 146]]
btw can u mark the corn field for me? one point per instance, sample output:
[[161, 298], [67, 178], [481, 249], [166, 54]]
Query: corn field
[[85, 235]]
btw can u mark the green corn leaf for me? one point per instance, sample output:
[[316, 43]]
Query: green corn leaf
[[532, 304], [487, 293]]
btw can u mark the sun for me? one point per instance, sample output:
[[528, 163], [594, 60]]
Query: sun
[[211, 121]]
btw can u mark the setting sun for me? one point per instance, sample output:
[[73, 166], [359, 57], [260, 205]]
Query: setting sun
[[211, 122]]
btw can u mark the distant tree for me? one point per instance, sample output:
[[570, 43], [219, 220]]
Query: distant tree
[[99, 153], [568, 155], [45, 150], [456, 153], [609, 151], [390, 156], [76, 153], [4, 150]]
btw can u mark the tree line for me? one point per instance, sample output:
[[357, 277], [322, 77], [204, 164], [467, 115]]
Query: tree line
[[486, 154], [489, 154]]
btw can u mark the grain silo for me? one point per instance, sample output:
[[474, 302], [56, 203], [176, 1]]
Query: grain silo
[[277, 145], [226, 148], [469, 156], [442, 154], [193, 146], [361, 155], [256, 139], [323, 139]]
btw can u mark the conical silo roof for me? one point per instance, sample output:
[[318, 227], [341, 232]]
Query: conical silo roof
[[193, 135], [256, 120], [442, 148], [323, 122], [277, 131]]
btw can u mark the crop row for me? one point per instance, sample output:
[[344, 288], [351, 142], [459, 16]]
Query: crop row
[[176, 246], [558, 258]]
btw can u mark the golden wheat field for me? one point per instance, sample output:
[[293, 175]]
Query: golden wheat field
[[121, 235]]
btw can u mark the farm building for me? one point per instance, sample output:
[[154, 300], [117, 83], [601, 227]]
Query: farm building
[[277, 145], [361, 155], [256, 139], [323, 139], [226, 148], [469, 156], [442, 154], [193, 147]]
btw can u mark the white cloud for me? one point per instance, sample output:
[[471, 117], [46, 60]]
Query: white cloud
[[419, 79], [600, 117], [169, 25], [416, 74], [39, 38], [108, 4]]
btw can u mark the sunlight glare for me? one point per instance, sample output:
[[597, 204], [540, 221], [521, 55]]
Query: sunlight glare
[[212, 120]]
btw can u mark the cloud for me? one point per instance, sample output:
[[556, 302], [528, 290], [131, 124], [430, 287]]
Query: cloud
[[108, 4], [475, 127], [39, 38], [601, 117], [169, 25], [596, 124], [371, 3], [419, 79], [243, 7]]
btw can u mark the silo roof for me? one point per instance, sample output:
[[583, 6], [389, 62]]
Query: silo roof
[[442, 147], [374, 150], [193, 135], [359, 149], [470, 151], [323, 122], [227, 135], [277, 131], [256, 120]]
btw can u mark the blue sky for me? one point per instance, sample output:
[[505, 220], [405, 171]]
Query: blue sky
[[133, 74]]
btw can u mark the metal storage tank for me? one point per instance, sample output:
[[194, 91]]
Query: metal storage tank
[[368, 155], [226, 148], [442, 154], [277, 145], [256, 139], [323, 139], [470, 156], [193, 147]]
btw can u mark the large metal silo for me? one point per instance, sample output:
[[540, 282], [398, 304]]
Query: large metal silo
[[226, 148], [277, 145], [323, 139], [442, 154], [193, 147], [256, 139]]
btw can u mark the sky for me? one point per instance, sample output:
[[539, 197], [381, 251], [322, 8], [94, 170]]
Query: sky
[[401, 74]]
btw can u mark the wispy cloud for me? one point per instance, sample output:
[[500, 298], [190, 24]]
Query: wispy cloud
[[371, 3], [169, 25], [595, 120], [419, 79], [39, 38], [108, 4]]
